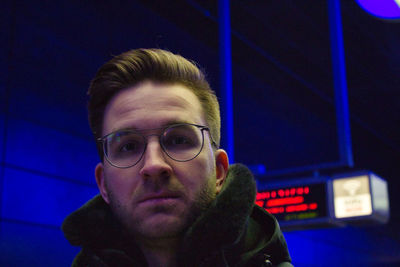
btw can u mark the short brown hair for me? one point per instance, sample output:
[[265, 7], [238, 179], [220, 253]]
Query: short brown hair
[[130, 68]]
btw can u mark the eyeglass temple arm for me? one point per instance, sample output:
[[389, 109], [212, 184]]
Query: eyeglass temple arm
[[212, 139]]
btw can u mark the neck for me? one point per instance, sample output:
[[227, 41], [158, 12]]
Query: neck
[[160, 252]]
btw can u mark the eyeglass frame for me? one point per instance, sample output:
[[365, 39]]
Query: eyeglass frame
[[201, 127]]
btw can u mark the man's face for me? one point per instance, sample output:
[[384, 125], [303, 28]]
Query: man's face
[[159, 197]]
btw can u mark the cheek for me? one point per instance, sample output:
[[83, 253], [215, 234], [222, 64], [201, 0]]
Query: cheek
[[203, 165], [120, 182], [208, 162], [197, 173]]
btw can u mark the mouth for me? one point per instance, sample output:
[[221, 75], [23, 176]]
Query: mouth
[[159, 198]]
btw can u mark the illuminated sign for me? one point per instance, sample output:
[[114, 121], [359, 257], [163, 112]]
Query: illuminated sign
[[295, 203], [353, 198], [361, 197]]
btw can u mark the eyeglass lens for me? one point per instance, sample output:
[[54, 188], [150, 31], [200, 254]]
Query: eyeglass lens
[[180, 142]]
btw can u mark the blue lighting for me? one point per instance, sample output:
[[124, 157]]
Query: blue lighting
[[385, 9], [340, 83], [226, 75]]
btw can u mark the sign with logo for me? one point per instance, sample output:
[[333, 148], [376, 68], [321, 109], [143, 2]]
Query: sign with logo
[[352, 197]]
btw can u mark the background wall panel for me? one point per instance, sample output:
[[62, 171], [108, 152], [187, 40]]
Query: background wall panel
[[51, 101], [352, 246], [3, 96], [63, 23], [30, 245], [38, 199], [46, 77], [31, 146], [2, 131], [5, 44], [278, 128]]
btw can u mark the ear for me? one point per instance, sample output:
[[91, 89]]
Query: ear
[[99, 174], [222, 165]]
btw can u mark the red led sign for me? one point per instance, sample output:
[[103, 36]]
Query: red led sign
[[295, 203]]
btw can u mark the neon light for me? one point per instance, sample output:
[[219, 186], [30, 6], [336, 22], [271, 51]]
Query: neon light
[[281, 193], [296, 208], [285, 201], [300, 190], [292, 191], [295, 202], [284, 192], [262, 195], [226, 73], [260, 203], [385, 9], [340, 83], [276, 210]]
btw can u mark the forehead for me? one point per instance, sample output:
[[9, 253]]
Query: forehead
[[151, 105]]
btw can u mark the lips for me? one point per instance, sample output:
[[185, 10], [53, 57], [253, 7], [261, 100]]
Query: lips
[[159, 197]]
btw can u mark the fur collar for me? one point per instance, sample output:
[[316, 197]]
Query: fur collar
[[223, 224]]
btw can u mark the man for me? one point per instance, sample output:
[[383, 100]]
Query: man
[[167, 194]]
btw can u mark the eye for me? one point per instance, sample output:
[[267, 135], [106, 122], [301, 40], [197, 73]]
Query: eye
[[126, 143], [128, 147], [179, 140], [174, 142]]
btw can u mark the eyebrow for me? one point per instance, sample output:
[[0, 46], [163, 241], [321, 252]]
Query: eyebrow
[[164, 125]]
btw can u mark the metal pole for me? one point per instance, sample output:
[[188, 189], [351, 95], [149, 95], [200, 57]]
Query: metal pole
[[340, 84], [226, 74]]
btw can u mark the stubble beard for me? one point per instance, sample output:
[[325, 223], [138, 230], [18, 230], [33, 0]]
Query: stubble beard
[[133, 226]]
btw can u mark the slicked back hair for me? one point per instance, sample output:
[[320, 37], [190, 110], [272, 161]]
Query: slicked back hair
[[135, 66]]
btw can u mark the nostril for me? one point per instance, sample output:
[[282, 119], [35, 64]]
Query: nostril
[[165, 174], [155, 174]]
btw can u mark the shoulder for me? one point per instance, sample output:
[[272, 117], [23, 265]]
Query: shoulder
[[268, 244], [103, 258]]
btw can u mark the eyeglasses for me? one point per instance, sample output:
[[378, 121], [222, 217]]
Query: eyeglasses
[[181, 142]]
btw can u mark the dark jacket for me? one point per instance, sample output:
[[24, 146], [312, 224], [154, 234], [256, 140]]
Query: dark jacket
[[232, 232]]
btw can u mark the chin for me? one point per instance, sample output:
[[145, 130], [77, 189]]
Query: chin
[[161, 227]]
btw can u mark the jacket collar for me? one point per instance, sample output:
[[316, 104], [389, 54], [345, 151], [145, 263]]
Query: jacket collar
[[222, 225]]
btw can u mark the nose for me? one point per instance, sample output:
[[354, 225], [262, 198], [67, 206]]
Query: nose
[[154, 161]]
